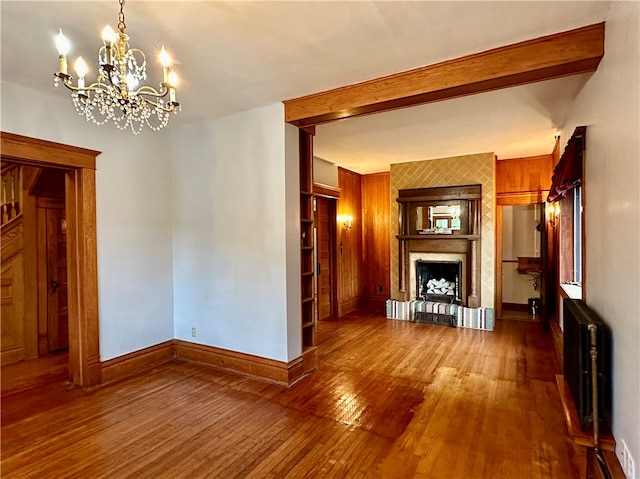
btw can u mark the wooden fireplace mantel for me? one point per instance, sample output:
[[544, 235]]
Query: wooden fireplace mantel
[[464, 241]]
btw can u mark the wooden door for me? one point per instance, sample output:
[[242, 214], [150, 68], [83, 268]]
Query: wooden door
[[52, 277], [325, 222]]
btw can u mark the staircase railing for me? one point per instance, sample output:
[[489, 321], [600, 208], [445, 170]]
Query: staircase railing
[[10, 193]]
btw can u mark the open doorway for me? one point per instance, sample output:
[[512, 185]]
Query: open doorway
[[325, 220], [52, 285], [34, 222], [520, 261], [77, 167]]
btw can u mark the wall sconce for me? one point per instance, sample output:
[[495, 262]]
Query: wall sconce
[[553, 213], [347, 221]]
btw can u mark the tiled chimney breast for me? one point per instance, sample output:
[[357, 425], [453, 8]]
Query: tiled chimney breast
[[454, 171]]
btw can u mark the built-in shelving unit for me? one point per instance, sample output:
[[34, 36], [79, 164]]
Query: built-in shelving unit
[[307, 244]]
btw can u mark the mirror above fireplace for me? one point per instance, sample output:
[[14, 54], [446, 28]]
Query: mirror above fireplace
[[434, 218]]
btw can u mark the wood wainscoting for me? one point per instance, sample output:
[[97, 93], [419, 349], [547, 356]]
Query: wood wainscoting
[[376, 246], [12, 290], [349, 240]]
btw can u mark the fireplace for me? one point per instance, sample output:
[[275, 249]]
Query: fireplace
[[439, 281], [439, 241], [427, 267]]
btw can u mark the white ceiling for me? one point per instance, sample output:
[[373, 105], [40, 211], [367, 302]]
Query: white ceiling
[[233, 56]]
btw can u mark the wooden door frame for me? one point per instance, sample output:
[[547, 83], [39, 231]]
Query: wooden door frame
[[333, 242], [332, 194], [515, 199], [332, 207], [79, 165]]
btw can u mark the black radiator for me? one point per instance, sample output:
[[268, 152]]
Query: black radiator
[[577, 317]]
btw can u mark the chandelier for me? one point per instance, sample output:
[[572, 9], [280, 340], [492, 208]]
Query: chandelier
[[116, 95]]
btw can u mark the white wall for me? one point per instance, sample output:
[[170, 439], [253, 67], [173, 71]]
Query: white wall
[[608, 105], [325, 172], [519, 238], [133, 195], [235, 234]]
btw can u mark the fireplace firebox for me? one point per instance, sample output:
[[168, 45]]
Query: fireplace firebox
[[439, 281]]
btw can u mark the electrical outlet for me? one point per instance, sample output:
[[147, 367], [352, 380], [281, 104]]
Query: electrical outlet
[[193, 332], [627, 462], [623, 456]]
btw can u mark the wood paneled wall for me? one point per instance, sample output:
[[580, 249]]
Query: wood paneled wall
[[349, 241], [12, 340], [376, 255], [524, 175]]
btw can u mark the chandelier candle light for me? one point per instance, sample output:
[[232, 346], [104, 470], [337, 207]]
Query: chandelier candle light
[[115, 95]]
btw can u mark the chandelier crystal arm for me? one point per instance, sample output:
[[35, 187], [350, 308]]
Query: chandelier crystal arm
[[148, 90]]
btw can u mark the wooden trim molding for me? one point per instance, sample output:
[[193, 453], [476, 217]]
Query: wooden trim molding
[[523, 198], [345, 307], [327, 191], [552, 56], [375, 304], [309, 362], [231, 361], [46, 153], [82, 250], [137, 361], [248, 364], [82, 271]]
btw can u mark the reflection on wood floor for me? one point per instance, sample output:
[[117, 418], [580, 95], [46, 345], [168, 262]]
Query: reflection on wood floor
[[391, 399]]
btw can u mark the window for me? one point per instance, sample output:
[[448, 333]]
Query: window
[[567, 190], [576, 198]]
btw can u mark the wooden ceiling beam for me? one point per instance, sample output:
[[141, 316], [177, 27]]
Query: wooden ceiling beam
[[561, 54]]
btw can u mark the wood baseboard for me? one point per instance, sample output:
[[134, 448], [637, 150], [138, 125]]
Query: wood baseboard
[[309, 360], [12, 356], [132, 363], [374, 304], [345, 307], [524, 308], [248, 364]]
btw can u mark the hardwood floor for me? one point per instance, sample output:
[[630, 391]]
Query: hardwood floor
[[391, 399]]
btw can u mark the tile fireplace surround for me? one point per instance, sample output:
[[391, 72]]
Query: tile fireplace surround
[[454, 171]]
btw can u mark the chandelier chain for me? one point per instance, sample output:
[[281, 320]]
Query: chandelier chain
[[121, 24]]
